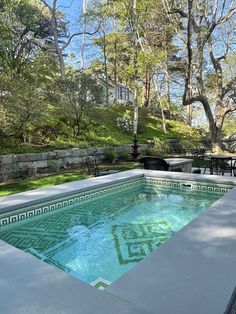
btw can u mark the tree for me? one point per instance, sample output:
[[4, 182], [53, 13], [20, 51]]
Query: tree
[[62, 37], [25, 37], [75, 98], [25, 31], [210, 28], [22, 103]]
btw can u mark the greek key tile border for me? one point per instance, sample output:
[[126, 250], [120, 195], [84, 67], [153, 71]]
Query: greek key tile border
[[46, 208], [190, 185]]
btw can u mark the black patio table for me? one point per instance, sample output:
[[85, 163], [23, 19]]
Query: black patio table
[[220, 164]]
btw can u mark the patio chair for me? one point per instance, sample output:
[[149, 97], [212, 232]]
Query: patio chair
[[154, 163], [220, 166], [234, 168], [201, 162], [90, 167]]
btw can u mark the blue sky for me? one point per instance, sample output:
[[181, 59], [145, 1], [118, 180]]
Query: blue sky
[[72, 9]]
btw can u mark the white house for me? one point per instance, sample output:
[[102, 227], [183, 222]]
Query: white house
[[117, 92]]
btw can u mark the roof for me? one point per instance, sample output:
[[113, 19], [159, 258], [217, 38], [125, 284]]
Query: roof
[[111, 83]]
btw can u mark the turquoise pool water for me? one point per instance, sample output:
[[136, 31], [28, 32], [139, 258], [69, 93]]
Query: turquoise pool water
[[106, 236]]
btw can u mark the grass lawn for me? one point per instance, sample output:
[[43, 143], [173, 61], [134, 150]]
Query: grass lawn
[[58, 178]]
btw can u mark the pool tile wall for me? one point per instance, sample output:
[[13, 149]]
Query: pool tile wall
[[45, 208]]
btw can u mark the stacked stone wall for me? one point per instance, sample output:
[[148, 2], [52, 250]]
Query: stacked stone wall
[[23, 165]]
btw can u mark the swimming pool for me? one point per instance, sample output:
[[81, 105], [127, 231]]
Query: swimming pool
[[99, 235]]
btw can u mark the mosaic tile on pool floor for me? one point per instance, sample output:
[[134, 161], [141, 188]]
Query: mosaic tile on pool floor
[[135, 241]]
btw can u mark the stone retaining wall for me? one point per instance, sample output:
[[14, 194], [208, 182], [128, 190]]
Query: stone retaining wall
[[23, 165]]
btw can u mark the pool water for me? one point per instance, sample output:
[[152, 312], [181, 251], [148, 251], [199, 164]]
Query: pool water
[[103, 238]]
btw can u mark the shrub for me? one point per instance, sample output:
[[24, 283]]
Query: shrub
[[33, 170], [125, 124], [124, 155], [54, 166], [111, 155], [160, 148]]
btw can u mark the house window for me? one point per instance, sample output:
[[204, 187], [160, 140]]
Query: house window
[[122, 93]]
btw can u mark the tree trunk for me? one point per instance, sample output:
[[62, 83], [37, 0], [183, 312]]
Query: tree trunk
[[59, 52], [189, 115], [146, 89], [115, 69], [56, 41], [84, 31], [186, 96], [135, 38], [167, 74], [167, 79], [105, 66], [158, 91], [215, 135]]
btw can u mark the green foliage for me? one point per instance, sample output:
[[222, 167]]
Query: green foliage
[[103, 131], [160, 148], [229, 126], [76, 98], [6, 120], [111, 155], [23, 101], [124, 156], [54, 166], [24, 30]]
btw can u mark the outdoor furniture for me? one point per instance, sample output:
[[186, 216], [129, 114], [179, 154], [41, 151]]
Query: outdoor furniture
[[167, 164], [201, 161], [221, 164], [234, 168], [154, 163], [90, 167]]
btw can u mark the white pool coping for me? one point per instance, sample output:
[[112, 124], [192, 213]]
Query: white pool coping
[[24, 199], [192, 273]]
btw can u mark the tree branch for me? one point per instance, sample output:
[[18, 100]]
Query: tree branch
[[178, 11], [230, 86], [227, 16], [46, 4], [80, 33]]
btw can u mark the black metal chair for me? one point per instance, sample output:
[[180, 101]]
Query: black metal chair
[[234, 168], [154, 163], [90, 167], [220, 166], [201, 161]]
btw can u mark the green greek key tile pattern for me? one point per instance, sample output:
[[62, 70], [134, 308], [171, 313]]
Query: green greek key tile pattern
[[135, 241], [45, 208], [179, 184], [44, 236]]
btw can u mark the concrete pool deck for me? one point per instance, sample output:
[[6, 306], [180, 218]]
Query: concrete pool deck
[[192, 273]]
